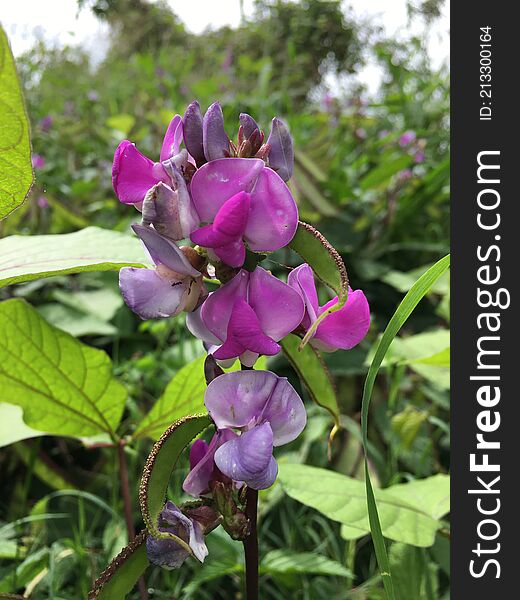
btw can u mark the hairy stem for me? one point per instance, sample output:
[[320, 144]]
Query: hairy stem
[[251, 546], [127, 506]]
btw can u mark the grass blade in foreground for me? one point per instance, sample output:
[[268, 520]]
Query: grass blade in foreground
[[404, 310]]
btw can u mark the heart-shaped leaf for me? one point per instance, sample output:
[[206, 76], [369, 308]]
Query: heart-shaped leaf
[[121, 575], [28, 257], [16, 173], [63, 386]]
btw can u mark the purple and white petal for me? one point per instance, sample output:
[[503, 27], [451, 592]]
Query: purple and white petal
[[149, 295], [345, 328], [279, 308], [133, 174], [165, 252], [198, 328], [273, 217], [215, 139], [285, 412], [187, 214], [172, 139], [248, 457], [302, 280], [238, 399], [217, 181]]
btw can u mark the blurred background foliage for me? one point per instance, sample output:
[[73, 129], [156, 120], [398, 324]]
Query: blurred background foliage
[[372, 174]]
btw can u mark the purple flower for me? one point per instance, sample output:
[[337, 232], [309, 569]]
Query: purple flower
[[38, 161], [419, 157], [133, 174], [242, 200], [46, 123], [202, 466], [42, 202], [281, 153], [407, 138], [247, 316], [344, 328], [168, 553], [268, 412], [173, 286]]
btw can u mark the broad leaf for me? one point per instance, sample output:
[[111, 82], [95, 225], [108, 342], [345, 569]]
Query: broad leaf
[[313, 373], [121, 575], [285, 562], [16, 172], [323, 258], [159, 466], [63, 386], [403, 517], [24, 258]]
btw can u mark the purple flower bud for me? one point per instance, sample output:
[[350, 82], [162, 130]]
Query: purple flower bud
[[46, 123], [407, 138], [281, 154], [419, 157], [193, 140], [215, 139], [248, 125], [344, 328]]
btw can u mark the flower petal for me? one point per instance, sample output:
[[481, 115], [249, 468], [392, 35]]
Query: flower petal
[[249, 457], [279, 308], [217, 308], [229, 223], [244, 333], [301, 279], [265, 480], [198, 451], [215, 139], [149, 295], [187, 214], [248, 124], [198, 328], [165, 252], [192, 125], [133, 174], [218, 180], [239, 398], [273, 217], [285, 412], [160, 209], [345, 328], [233, 254], [281, 153], [172, 139]]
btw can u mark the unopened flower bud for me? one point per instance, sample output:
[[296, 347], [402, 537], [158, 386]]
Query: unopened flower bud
[[281, 154], [215, 139], [192, 123]]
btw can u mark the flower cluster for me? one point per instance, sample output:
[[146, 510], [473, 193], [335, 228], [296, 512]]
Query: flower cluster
[[231, 201]]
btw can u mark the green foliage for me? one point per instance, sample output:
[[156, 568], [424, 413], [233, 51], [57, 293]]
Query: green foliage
[[91, 249], [63, 386], [16, 175], [404, 517]]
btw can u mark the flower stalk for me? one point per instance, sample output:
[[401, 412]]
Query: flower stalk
[[251, 546]]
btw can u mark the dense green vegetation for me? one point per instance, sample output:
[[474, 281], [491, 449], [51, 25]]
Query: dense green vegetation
[[372, 174]]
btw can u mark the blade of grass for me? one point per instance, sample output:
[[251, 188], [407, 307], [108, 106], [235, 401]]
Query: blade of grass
[[418, 290]]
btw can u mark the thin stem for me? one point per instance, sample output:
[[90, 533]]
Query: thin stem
[[127, 505], [251, 546]]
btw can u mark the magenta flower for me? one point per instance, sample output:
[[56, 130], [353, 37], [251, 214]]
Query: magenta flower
[[168, 553], [133, 174], [342, 329], [202, 465], [242, 200], [38, 161], [173, 286], [46, 123], [266, 410], [407, 138], [419, 157], [247, 316]]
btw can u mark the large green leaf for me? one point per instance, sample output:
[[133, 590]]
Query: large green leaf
[[159, 466], [63, 386], [322, 257], [24, 258], [419, 289], [313, 373], [121, 575], [282, 562], [404, 516], [16, 173]]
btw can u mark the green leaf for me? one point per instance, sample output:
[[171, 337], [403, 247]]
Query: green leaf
[[419, 289], [288, 562], [121, 575], [63, 386], [380, 175], [407, 424], [326, 263], [184, 395], [408, 571], [16, 172], [12, 426], [159, 466], [122, 123], [73, 321], [343, 499], [24, 258], [313, 373]]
